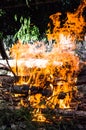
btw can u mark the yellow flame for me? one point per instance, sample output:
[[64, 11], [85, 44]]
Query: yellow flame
[[38, 116], [62, 66], [54, 71]]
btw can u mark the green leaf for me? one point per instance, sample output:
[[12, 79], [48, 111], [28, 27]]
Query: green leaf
[[27, 32], [15, 17], [2, 12], [21, 19]]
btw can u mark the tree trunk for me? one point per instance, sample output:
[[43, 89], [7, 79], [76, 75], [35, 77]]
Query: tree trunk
[[2, 50]]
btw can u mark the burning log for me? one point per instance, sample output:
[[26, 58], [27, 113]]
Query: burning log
[[24, 89], [8, 82]]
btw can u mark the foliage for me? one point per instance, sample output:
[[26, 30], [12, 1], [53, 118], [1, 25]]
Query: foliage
[[27, 32], [1, 35], [2, 12], [27, 2]]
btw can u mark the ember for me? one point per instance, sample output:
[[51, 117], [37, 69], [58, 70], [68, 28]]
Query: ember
[[55, 78]]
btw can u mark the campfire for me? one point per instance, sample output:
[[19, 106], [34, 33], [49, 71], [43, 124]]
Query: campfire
[[47, 73], [48, 76], [53, 74]]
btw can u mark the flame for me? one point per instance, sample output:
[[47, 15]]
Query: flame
[[54, 71], [38, 116], [73, 25], [62, 65]]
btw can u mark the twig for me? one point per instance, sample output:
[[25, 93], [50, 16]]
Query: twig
[[10, 68], [4, 67]]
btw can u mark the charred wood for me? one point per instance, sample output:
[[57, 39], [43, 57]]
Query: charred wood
[[24, 89], [82, 106], [8, 82]]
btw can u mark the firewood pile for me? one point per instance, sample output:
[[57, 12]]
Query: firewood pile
[[8, 92]]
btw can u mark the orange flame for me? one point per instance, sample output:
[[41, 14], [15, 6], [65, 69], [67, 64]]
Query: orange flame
[[73, 25], [62, 65], [54, 71]]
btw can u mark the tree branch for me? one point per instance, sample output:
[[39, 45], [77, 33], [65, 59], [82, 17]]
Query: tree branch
[[31, 4]]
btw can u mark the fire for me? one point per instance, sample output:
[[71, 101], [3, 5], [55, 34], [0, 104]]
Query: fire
[[73, 25], [38, 116], [53, 72], [57, 76]]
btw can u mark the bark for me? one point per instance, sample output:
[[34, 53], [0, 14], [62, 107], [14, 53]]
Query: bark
[[66, 113], [2, 50]]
